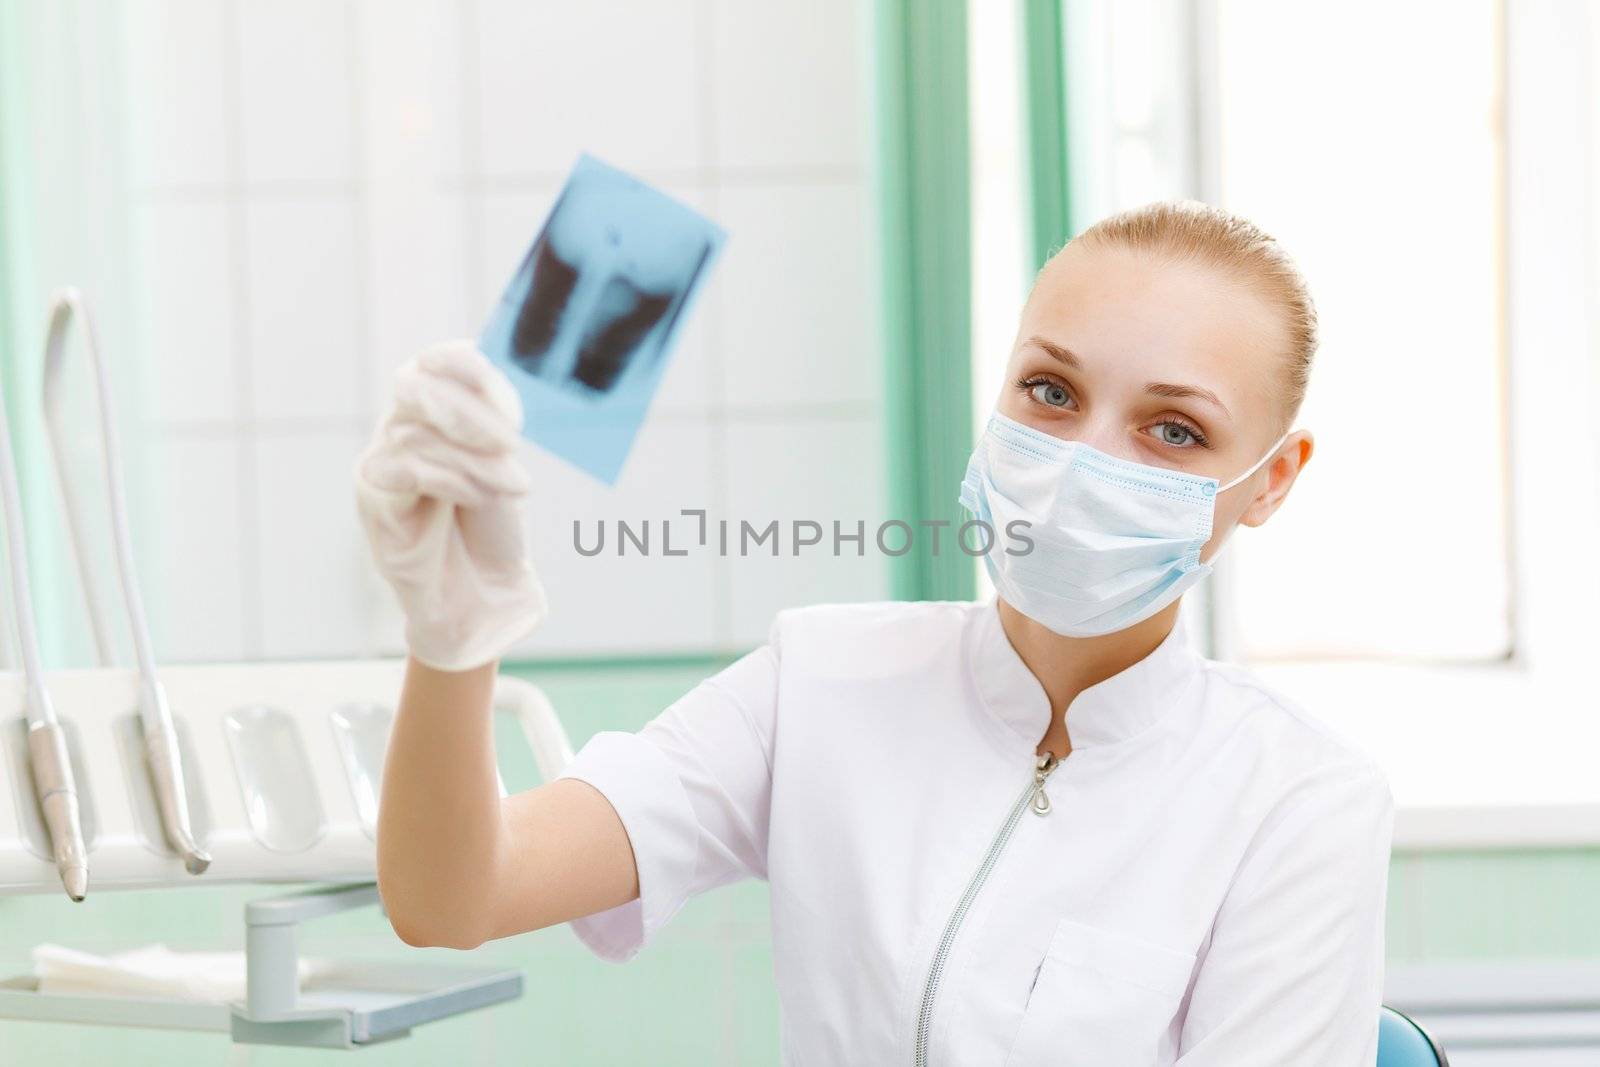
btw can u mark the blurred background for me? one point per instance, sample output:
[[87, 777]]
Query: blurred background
[[271, 204]]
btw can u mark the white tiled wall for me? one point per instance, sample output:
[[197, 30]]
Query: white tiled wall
[[315, 189]]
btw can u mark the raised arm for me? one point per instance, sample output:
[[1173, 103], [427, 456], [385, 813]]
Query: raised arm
[[458, 864], [440, 494]]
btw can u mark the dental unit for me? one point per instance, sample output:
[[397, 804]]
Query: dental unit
[[54, 785], [160, 738], [243, 773]]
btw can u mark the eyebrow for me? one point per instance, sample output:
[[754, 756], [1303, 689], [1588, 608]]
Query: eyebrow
[[1057, 352], [1180, 392], [1169, 390]]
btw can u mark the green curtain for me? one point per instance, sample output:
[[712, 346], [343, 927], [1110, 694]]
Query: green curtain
[[21, 317], [925, 208], [1044, 98], [13, 178]]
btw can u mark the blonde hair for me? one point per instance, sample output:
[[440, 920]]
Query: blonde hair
[[1196, 232]]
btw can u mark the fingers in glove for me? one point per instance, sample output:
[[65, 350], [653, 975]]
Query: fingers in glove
[[496, 472], [493, 536], [456, 410], [422, 478], [462, 361]]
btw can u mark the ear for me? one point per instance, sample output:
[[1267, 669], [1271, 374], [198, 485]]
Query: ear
[[1282, 470]]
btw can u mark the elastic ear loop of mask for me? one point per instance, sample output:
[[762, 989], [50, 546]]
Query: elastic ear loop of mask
[[1257, 464]]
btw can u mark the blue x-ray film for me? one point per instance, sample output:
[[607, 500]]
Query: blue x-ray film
[[586, 326]]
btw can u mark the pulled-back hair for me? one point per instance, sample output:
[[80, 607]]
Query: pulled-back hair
[[1196, 232]]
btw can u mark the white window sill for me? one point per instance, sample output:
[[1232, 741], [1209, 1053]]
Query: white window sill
[[1478, 757]]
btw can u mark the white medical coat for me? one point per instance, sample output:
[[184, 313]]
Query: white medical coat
[[1207, 890]]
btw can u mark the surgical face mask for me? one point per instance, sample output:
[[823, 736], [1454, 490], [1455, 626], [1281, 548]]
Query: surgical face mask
[[1113, 542]]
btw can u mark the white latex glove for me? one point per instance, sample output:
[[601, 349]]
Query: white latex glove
[[440, 493]]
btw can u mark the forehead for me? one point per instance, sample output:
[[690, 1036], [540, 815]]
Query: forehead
[[1146, 317]]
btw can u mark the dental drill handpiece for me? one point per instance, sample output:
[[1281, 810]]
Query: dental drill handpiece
[[166, 771], [57, 791], [160, 737], [50, 765]]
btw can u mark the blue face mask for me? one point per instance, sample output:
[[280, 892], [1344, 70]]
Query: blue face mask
[[1114, 541]]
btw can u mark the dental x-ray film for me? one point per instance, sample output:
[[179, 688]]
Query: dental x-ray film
[[585, 328]]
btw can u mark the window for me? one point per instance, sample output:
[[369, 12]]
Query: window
[[999, 256], [1387, 188]]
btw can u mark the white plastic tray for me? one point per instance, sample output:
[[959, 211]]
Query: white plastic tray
[[282, 761]]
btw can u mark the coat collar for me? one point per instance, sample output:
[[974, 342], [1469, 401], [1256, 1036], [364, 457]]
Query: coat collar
[[1116, 709]]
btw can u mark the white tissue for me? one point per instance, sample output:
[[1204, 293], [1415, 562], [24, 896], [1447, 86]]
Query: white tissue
[[148, 971]]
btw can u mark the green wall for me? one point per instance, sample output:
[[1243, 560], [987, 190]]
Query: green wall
[[1513, 904]]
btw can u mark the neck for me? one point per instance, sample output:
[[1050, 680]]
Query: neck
[[1066, 666]]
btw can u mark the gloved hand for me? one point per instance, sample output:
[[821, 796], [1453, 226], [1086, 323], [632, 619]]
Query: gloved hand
[[440, 494]]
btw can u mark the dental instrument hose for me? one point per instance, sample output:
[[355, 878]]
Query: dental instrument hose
[[53, 782], [162, 754]]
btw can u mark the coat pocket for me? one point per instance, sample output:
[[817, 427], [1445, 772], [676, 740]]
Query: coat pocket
[[1101, 996]]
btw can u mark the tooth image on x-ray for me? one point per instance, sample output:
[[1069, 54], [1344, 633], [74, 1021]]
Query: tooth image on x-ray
[[587, 325], [540, 314], [600, 296]]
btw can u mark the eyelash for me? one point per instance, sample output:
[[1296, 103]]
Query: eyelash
[[1200, 439], [1026, 385]]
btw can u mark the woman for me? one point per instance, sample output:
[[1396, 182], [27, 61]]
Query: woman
[[1040, 830]]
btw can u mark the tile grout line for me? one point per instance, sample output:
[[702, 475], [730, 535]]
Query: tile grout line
[[279, 425], [718, 412], [696, 178], [166, 430], [251, 624], [471, 163], [368, 615], [709, 174], [362, 208], [704, 175], [729, 998]]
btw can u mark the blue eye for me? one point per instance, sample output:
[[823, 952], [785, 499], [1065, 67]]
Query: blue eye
[[1050, 394], [1176, 434]]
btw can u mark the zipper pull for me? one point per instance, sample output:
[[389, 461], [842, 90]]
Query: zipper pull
[[1041, 799]]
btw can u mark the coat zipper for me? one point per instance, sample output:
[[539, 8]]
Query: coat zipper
[[1038, 800]]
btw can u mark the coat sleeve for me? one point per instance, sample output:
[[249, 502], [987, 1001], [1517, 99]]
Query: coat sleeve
[[1293, 972], [693, 790]]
